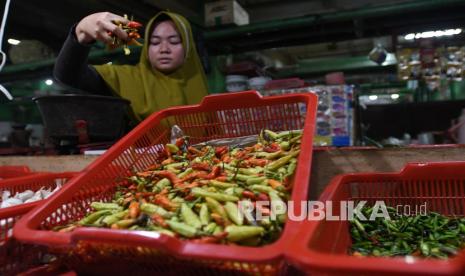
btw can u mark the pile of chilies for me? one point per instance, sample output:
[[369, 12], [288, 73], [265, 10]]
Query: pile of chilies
[[431, 236], [196, 193]]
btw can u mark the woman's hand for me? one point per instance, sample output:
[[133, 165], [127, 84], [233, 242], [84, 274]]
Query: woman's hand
[[97, 26]]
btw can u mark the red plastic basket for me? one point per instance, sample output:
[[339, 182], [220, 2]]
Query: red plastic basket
[[16, 257], [7, 172], [321, 246], [218, 116]]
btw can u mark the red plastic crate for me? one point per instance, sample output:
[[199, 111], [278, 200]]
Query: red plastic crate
[[16, 257], [7, 172], [321, 246], [218, 116]]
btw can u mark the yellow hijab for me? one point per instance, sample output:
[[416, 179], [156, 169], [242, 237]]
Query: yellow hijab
[[150, 90]]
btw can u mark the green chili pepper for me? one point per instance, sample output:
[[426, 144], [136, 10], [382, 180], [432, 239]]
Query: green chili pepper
[[218, 196], [291, 168], [220, 184], [285, 145], [424, 247], [185, 172], [262, 188], [277, 202], [172, 148], [105, 206], [176, 165], [182, 228], [189, 217], [290, 133], [216, 207], [109, 220], [210, 227], [239, 177], [229, 191], [295, 139], [218, 230], [271, 134], [273, 155], [125, 223], [359, 225], [178, 199], [151, 209], [238, 233], [204, 214], [282, 161], [238, 191], [165, 182], [255, 180], [94, 217], [233, 213]]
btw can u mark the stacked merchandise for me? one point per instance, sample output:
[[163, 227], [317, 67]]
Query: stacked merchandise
[[441, 69], [334, 123]]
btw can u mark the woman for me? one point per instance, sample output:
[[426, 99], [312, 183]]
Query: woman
[[169, 72]]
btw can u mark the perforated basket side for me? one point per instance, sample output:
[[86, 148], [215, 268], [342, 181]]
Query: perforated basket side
[[323, 245], [16, 257]]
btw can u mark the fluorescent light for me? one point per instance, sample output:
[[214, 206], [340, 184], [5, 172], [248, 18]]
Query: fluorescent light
[[372, 97], [13, 41], [394, 96], [49, 82], [409, 37], [429, 34]]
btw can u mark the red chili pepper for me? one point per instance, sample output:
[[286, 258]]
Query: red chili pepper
[[219, 151], [211, 239], [218, 219], [273, 147], [241, 154], [248, 194], [179, 142], [144, 194], [222, 178], [194, 150], [134, 35], [189, 197], [153, 167], [191, 185], [164, 202], [166, 152], [201, 166], [214, 173], [159, 220], [274, 183], [134, 24], [256, 162], [194, 175], [170, 175], [262, 197], [134, 209]]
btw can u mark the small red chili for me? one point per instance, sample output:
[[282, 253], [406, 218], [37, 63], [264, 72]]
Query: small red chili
[[134, 24]]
